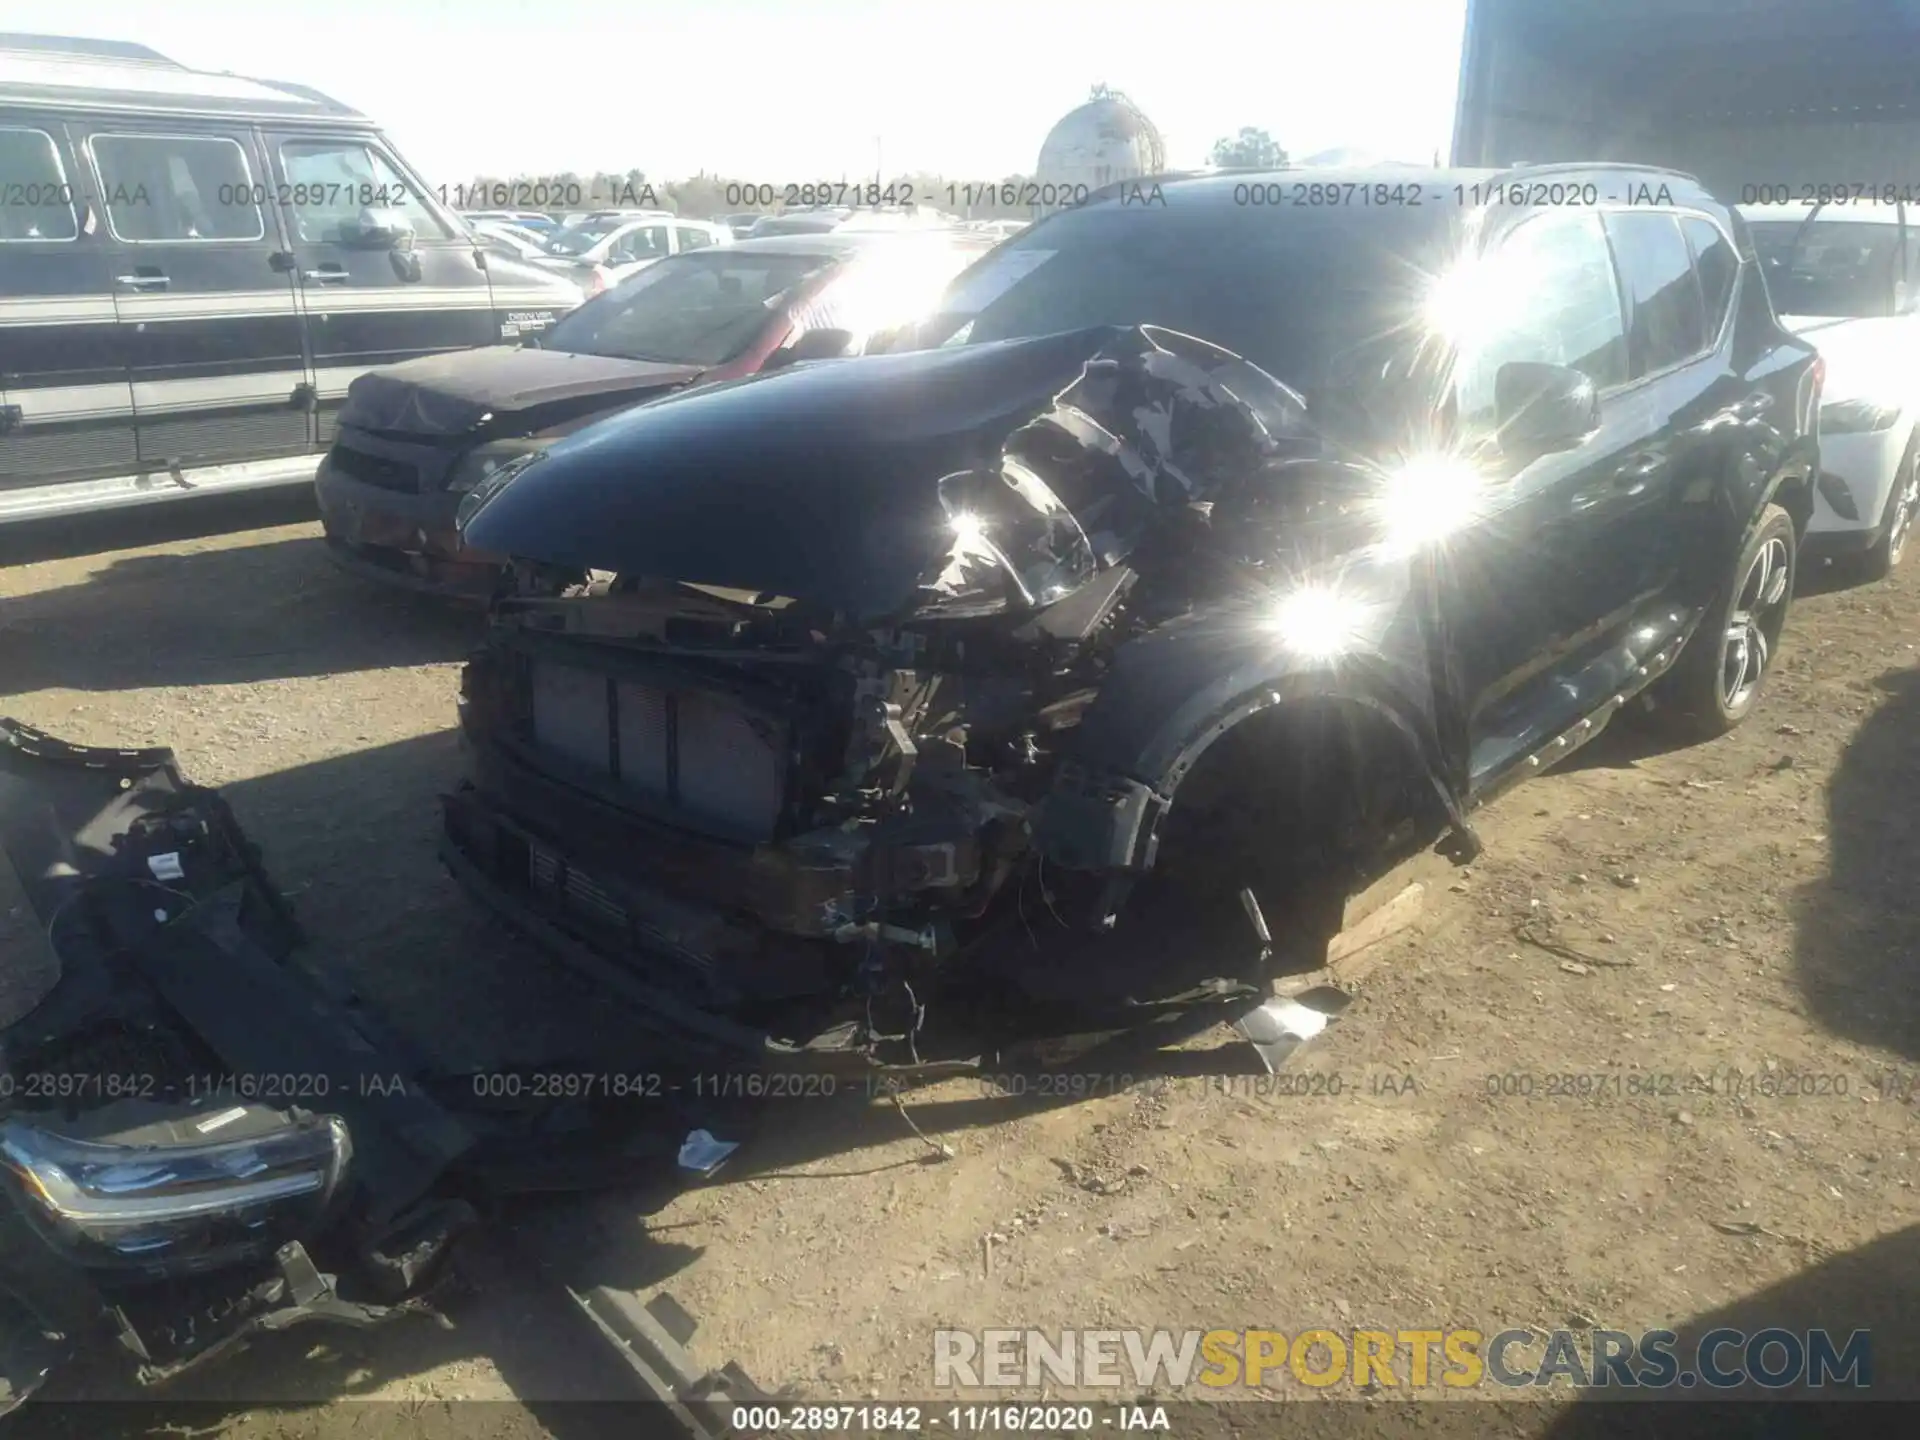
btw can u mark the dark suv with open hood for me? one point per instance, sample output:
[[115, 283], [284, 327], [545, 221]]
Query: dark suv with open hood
[[417, 436], [1220, 541]]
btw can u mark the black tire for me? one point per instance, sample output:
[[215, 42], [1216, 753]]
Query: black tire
[[1721, 672], [1896, 523]]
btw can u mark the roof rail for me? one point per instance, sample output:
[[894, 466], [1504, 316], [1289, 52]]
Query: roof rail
[[1571, 165], [92, 49]]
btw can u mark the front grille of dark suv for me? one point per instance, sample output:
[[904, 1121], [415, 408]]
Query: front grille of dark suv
[[376, 470]]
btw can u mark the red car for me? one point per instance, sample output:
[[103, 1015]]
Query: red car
[[415, 437]]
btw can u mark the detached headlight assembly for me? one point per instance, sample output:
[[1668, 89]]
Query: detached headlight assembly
[[178, 1194], [1856, 417], [479, 464]]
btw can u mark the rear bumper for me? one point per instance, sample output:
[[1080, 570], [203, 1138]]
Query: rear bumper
[[403, 539], [1820, 545], [1850, 497]]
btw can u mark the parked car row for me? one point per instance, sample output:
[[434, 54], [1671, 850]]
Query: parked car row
[[415, 438]]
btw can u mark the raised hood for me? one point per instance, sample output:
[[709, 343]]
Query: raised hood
[[818, 482], [458, 392]]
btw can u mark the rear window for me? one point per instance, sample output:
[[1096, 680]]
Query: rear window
[[1828, 267], [1290, 290], [1667, 322], [700, 309], [1716, 265]]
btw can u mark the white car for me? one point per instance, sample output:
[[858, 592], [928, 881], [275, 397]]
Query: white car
[[1846, 277], [998, 229], [506, 238], [604, 250]]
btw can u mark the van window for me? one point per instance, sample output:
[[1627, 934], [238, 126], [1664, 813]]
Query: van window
[[1557, 305], [1656, 269], [691, 237], [177, 187], [331, 181], [37, 203], [1717, 266]]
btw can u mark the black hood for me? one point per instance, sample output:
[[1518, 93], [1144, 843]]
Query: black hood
[[456, 393], [816, 482]]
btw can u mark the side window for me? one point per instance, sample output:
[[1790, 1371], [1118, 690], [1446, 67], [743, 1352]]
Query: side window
[[329, 182], [38, 199], [646, 242], [1562, 308], [691, 237], [178, 187], [1656, 270], [1717, 266]]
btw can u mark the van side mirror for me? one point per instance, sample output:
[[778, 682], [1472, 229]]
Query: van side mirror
[[1542, 408], [814, 345], [379, 229]]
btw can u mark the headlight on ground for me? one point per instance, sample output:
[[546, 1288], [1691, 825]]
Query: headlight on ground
[[478, 464], [1856, 417], [162, 1187]]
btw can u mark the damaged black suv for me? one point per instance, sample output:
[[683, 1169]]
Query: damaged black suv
[[1201, 559]]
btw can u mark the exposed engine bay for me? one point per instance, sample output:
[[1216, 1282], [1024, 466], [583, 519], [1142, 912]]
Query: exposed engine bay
[[813, 812]]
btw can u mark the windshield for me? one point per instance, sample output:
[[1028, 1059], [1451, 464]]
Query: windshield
[[702, 308], [1829, 267], [794, 225], [1293, 291]]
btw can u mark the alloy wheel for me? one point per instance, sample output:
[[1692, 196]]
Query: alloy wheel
[[1905, 503], [1753, 627]]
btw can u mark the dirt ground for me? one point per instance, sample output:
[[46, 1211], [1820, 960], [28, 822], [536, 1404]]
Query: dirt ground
[[1741, 917]]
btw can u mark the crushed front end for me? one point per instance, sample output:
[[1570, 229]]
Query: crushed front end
[[807, 737]]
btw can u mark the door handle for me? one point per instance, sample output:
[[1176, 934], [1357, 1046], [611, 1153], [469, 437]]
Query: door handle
[[325, 275], [142, 282]]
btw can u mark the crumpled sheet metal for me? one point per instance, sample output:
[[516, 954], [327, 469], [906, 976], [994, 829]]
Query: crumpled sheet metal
[[1280, 1026], [1178, 414]]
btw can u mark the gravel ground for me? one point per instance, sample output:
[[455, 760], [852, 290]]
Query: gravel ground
[[1745, 908]]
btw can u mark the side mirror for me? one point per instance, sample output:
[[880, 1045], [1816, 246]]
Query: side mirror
[[1543, 408], [380, 229], [814, 345]]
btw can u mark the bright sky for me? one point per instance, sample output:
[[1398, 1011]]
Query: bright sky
[[791, 89]]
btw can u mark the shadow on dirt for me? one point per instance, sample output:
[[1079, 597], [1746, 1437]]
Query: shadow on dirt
[[1857, 941], [1869, 1289], [219, 616], [138, 526]]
